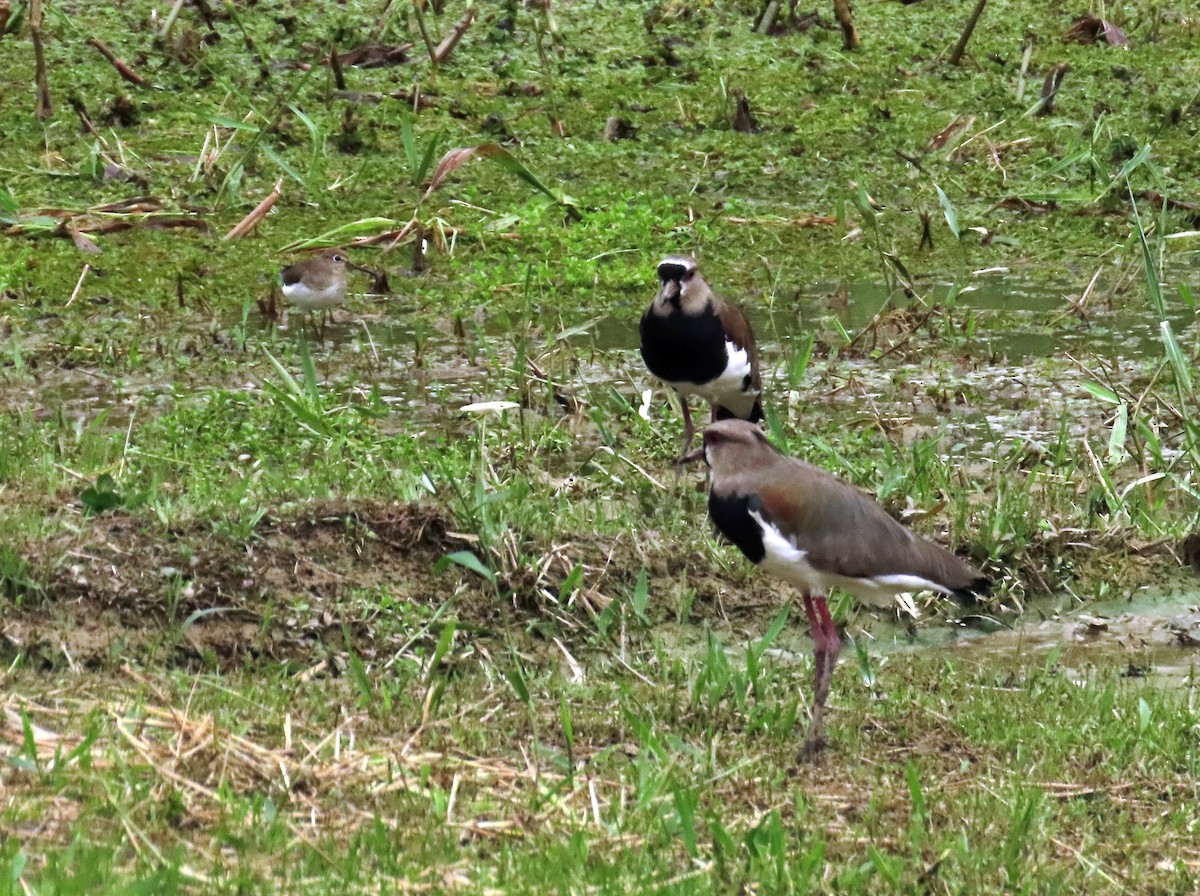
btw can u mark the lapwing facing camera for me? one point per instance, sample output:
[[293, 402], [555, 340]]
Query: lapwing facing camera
[[818, 532], [318, 283], [700, 345]]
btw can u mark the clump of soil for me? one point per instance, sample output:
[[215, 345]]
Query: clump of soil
[[123, 586]]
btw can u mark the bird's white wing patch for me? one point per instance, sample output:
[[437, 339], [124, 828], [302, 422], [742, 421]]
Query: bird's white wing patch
[[729, 388], [784, 559], [737, 365], [898, 583], [790, 563]]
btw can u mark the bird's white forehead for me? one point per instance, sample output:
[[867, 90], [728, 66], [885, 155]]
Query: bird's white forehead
[[682, 260]]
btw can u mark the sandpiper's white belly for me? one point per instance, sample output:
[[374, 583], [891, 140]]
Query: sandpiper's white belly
[[302, 296]]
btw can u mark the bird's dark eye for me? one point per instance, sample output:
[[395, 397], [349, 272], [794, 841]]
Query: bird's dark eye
[[687, 275], [339, 258], [711, 438]]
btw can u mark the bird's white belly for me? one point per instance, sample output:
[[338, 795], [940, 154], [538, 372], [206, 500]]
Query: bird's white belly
[[302, 296]]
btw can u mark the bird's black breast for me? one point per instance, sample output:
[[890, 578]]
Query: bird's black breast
[[684, 348], [731, 515]]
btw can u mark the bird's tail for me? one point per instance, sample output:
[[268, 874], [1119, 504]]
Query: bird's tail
[[973, 593], [720, 412]]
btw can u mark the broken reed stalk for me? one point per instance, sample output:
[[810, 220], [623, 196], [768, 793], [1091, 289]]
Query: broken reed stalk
[[450, 41], [123, 68], [43, 109], [419, 12], [84, 119], [264, 69], [845, 17], [335, 65], [961, 46], [169, 22], [206, 13], [259, 212]]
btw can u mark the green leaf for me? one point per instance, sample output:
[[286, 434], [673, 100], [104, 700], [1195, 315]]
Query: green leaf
[[948, 211], [570, 583], [866, 671], [284, 166], [1101, 392], [917, 797], [1145, 715], [1179, 364], [338, 235], [223, 122], [459, 156], [641, 595], [568, 727], [445, 642], [101, 496], [1122, 177], [314, 130], [516, 678], [467, 560], [1116, 439], [8, 206]]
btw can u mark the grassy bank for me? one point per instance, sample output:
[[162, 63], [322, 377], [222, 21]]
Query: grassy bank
[[278, 615]]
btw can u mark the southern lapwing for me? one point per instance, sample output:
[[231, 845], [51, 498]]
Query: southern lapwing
[[817, 532], [700, 345], [318, 283]]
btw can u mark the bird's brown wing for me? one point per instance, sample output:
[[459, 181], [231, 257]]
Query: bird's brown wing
[[844, 531]]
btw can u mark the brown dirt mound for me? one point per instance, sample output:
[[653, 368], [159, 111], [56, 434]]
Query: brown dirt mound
[[124, 586]]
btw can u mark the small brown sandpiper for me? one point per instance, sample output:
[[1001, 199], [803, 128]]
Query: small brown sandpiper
[[318, 283]]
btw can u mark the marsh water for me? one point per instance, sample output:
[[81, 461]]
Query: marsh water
[[1029, 381], [1026, 380]]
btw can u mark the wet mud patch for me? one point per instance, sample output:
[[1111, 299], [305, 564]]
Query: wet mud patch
[[122, 587]]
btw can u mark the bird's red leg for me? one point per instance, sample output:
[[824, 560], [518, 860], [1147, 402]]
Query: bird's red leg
[[816, 629], [689, 428], [827, 644], [816, 632], [833, 646]]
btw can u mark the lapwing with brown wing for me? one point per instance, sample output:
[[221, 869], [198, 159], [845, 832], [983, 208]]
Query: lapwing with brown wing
[[318, 283], [818, 532], [699, 344]]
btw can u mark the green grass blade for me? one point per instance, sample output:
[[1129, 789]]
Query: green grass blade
[[948, 211]]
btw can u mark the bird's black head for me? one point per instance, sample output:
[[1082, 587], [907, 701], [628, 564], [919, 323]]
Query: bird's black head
[[674, 274], [675, 269]]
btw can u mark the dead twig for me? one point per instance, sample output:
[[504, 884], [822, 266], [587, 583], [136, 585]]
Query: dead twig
[[807, 221], [335, 65], [845, 17], [123, 68], [84, 119], [1050, 88], [961, 47], [79, 284], [767, 21], [43, 109], [259, 212], [450, 41]]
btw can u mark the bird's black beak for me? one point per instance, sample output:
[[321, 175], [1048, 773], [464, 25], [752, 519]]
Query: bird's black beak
[[696, 455]]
